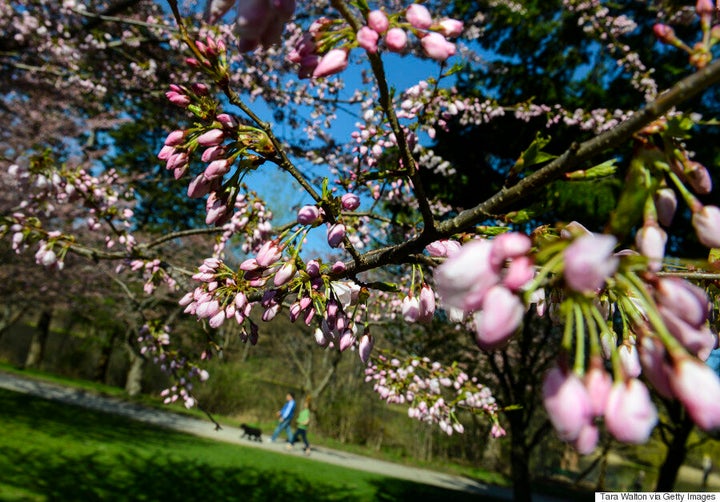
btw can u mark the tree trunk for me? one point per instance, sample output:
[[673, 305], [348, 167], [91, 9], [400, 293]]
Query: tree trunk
[[106, 349], [519, 459], [36, 352], [682, 426], [133, 381]]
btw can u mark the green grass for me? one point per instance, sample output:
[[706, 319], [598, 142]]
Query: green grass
[[51, 451]]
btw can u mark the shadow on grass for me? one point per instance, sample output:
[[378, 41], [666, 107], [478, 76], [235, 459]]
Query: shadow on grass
[[50, 451]]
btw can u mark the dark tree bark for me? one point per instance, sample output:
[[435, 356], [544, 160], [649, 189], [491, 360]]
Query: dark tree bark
[[36, 352], [675, 436]]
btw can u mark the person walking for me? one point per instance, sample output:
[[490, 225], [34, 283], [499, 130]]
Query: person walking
[[285, 416], [303, 421]]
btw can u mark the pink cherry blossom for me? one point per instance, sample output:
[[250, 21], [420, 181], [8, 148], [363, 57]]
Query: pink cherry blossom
[[650, 241], [697, 387], [567, 403], [450, 28], [418, 16], [630, 415], [598, 384], [350, 202], [502, 312], [589, 261], [687, 301], [335, 61], [665, 204], [465, 277], [336, 234], [368, 39], [437, 47], [396, 39], [308, 215], [378, 21], [707, 226]]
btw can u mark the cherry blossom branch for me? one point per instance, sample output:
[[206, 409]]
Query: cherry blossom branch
[[686, 89]]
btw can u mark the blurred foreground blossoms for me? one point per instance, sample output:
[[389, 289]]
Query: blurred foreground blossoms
[[631, 320]]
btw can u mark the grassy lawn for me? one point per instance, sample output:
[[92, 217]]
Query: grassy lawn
[[51, 451]]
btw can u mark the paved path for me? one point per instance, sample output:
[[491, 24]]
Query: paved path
[[205, 428]]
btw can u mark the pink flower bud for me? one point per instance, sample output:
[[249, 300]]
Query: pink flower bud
[[216, 209], [164, 153], [567, 403], [211, 138], [707, 226], [350, 202], [199, 187], [177, 160], [367, 38], [336, 234], [697, 387], [443, 248], [366, 345], [284, 274], [698, 341], [335, 61], [309, 215], [217, 169], [664, 33], [465, 277], [213, 153], [378, 21], [507, 246], [312, 268], [176, 98], [175, 138], [587, 439], [665, 204], [656, 369], [227, 120], [630, 415], [519, 272], [598, 384], [347, 340], [437, 47], [650, 241], [338, 267], [450, 28], [502, 312], [396, 40], [410, 309], [268, 254], [589, 261], [629, 360], [698, 177], [426, 304], [419, 17], [217, 320], [704, 8], [200, 89], [687, 301]]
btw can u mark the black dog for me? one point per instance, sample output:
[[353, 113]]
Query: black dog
[[252, 433]]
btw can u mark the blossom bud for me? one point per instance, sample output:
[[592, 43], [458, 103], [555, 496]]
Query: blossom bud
[[656, 369], [199, 187], [698, 177], [587, 439], [665, 205], [697, 387], [598, 384], [650, 241], [507, 246], [450, 28], [567, 403], [350, 202], [285, 274], [589, 262], [410, 309], [308, 215], [465, 277], [502, 312], [268, 254], [687, 301], [175, 138], [396, 39], [629, 360], [217, 169], [335, 61], [707, 226], [336, 234], [211, 138], [664, 33], [437, 47], [312, 268], [426, 304], [443, 248], [630, 415], [418, 16], [338, 267], [520, 271], [227, 120], [367, 38], [176, 98], [347, 340], [378, 21], [366, 345]]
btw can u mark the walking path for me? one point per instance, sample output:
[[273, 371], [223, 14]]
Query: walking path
[[205, 428]]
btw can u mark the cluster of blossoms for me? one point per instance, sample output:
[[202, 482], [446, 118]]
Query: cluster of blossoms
[[154, 342], [49, 190], [666, 335], [324, 49], [434, 392], [154, 274]]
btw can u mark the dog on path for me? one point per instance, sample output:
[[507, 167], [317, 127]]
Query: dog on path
[[252, 433]]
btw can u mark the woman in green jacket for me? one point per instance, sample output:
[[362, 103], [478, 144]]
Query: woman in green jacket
[[303, 420]]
